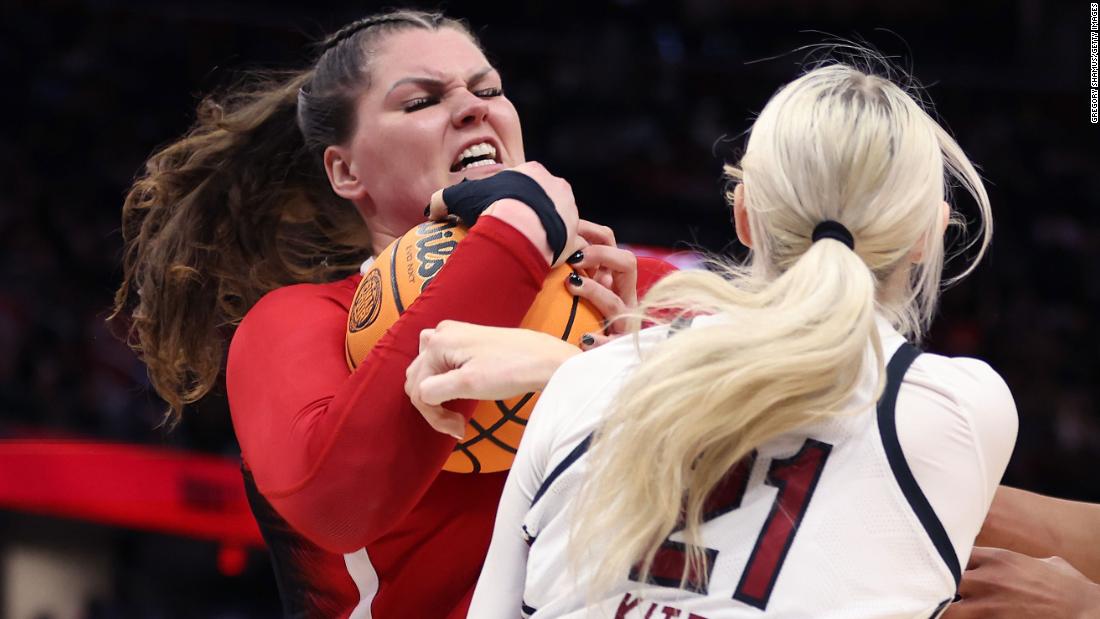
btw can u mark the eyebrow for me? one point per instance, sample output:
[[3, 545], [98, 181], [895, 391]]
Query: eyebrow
[[434, 82]]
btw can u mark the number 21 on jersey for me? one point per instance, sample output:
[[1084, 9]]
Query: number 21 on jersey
[[795, 478]]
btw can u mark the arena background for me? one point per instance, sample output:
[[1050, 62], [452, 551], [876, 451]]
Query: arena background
[[636, 103]]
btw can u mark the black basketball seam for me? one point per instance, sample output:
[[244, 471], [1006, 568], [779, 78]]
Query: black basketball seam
[[507, 414], [393, 278], [473, 459], [572, 316], [512, 414], [487, 434]]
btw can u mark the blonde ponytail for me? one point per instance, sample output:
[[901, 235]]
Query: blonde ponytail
[[798, 321]]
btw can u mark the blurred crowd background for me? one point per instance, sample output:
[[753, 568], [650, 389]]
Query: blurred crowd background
[[636, 103]]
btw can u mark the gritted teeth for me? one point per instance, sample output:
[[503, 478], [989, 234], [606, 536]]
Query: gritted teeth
[[476, 155], [478, 150], [478, 164]]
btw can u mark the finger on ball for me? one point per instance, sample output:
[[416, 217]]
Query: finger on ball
[[437, 208]]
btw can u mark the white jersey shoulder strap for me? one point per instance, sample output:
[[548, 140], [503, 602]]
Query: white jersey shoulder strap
[[887, 427]]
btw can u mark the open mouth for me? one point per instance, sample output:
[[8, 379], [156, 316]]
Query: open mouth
[[475, 156]]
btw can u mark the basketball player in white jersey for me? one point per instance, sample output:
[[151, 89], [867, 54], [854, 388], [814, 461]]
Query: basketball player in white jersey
[[785, 453]]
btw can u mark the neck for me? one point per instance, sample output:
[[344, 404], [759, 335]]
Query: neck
[[380, 241], [383, 232]]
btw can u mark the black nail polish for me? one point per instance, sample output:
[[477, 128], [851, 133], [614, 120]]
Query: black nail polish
[[427, 210], [576, 257], [575, 280], [587, 339]]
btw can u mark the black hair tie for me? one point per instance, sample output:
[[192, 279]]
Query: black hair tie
[[835, 230], [469, 199]]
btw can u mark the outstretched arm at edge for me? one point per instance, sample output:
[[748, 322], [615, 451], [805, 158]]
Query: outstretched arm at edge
[[1042, 526]]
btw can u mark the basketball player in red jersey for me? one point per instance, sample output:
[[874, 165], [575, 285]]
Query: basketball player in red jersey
[[257, 201]]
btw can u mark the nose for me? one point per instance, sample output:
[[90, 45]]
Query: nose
[[470, 110]]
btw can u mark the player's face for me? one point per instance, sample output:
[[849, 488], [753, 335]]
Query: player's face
[[434, 114]]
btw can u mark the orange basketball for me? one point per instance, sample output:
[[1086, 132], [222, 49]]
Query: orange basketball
[[396, 279]]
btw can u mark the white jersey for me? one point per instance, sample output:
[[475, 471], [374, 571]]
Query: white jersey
[[870, 514]]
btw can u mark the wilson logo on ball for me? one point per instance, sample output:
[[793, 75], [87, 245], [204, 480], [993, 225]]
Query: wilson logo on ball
[[400, 273], [435, 245]]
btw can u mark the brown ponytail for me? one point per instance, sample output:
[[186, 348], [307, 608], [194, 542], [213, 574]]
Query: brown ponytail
[[241, 205]]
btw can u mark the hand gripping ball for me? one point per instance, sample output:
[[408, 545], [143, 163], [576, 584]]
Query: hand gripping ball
[[398, 276]]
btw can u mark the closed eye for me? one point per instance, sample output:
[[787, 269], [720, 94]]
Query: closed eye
[[419, 103], [487, 93]]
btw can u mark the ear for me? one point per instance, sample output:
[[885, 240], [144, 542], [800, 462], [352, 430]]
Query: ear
[[917, 253], [741, 216], [342, 175]]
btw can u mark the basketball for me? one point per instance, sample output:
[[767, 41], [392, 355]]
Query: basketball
[[397, 277]]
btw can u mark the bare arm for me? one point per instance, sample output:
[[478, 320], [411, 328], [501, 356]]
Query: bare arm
[[1001, 584], [1041, 526]]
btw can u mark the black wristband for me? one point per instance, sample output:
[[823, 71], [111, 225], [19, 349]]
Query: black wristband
[[469, 199]]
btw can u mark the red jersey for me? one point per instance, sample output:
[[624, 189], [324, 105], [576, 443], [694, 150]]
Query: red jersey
[[343, 474]]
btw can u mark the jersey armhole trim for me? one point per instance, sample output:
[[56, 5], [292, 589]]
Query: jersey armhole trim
[[888, 431], [568, 461], [939, 609]]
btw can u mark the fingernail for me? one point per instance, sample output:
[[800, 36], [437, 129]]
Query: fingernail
[[427, 210], [457, 431], [575, 280], [587, 339], [576, 257]]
